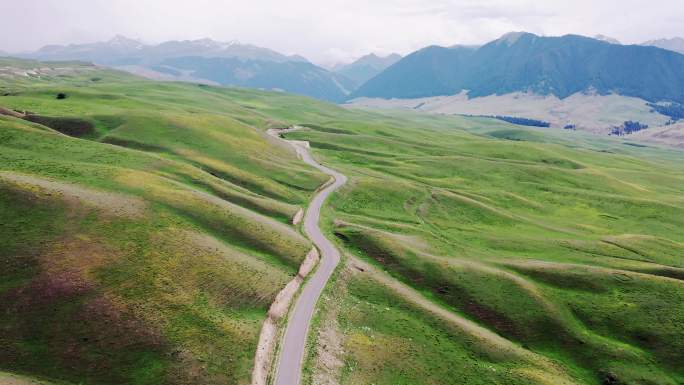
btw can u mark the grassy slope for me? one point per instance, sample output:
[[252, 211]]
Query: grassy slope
[[149, 265], [570, 247]]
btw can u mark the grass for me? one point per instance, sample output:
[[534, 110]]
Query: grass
[[395, 342], [168, 224], [146, 251], [567, 245]]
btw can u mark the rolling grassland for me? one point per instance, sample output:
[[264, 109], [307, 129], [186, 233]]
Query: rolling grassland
[[149, 250], [146, 231], [558, 259]]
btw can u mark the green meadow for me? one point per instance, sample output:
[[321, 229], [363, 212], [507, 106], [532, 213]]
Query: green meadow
[[568, 246], [149, 249], [146, 231]]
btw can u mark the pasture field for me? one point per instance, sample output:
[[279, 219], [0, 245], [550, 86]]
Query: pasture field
[[149, 249], [569, 246], [146, 231]]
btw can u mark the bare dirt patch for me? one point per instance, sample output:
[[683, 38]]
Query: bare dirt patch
[[13, 379], [297, 219], [12, 113]]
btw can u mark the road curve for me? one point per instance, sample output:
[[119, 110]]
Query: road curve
[[289, 364]]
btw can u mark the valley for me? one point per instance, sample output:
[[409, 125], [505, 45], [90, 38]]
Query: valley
[[571, 82], [582, 111]]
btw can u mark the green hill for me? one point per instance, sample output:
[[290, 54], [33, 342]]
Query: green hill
[[568, 246], [148, 250]]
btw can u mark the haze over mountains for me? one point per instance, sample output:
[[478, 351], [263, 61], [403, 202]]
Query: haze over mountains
[[607, 39], [516, 63], [367, 67], [123, 50], [208, 61], [674, 44]]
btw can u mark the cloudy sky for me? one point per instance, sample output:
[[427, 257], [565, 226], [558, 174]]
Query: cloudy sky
[[331, 30]]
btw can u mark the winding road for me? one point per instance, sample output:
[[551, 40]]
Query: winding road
[[289, 364]]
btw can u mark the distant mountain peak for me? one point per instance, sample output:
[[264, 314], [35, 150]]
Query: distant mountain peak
[[214, 44], [206, 60], [673, 44], [123, 41], [467, 46], [607, 39], [367, 67], [523, 62], [377, 60], [513, 37], [670, 40]]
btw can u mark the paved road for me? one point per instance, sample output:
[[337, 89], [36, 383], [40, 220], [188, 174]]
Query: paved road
[[289, 369]]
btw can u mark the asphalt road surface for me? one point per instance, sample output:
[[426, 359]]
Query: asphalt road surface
[[289, 369]]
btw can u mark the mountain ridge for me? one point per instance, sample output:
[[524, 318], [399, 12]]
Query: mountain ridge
[[208, 61], [675, 44], [106, 52], [527, 62], [367, 67]]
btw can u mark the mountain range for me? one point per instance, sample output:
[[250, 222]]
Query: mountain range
[[123, 50], [607, 39], [298, 77], [560, 66], [675, 44], [208, 61], [367, 67], [516, 62]]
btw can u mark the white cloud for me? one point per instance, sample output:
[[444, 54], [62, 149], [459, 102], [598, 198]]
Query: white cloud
[[327, 30]]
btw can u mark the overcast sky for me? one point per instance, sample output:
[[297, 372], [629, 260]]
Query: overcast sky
[[331, 30]]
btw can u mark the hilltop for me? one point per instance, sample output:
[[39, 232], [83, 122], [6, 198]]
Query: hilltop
[[367, 67], [675, 44]]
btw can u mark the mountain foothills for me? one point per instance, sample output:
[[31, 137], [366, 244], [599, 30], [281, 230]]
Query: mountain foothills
[[517, 62], [146, 230], [210, 62], [571, 82]]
